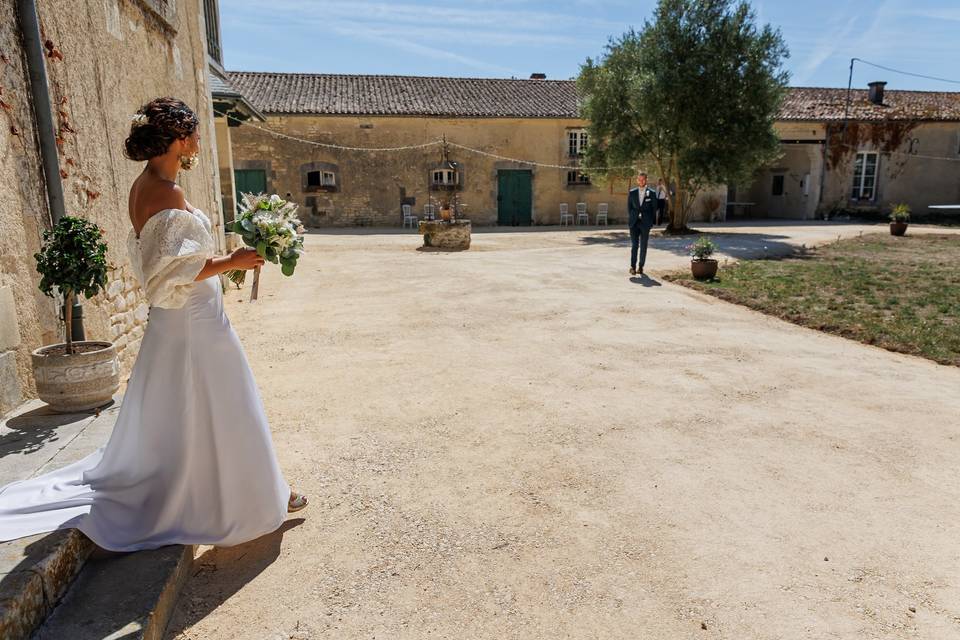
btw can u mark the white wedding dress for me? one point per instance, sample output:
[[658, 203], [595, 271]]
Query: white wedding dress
[[190, 460]]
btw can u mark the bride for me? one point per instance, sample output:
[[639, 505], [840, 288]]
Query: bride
[[190, 460]]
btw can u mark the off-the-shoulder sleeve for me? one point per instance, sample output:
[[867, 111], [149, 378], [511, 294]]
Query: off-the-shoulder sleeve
[[173, 250]]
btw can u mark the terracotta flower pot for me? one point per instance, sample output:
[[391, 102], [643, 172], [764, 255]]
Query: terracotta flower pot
[[445, 215], [82, 380], [703, 269], [898, 228]]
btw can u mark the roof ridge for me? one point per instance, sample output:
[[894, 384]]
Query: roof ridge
[[398, 76], [554, 80]]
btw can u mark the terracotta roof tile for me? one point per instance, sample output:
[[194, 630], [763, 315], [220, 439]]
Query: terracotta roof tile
[[329, 94], [818, 104], [407, 95]]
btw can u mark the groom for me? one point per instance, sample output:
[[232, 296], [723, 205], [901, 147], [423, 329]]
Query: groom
[[642, 208]]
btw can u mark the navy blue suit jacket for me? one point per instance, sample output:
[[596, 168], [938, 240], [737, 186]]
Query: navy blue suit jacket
[[643, 212]]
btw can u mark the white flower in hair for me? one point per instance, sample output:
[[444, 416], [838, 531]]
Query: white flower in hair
[[139, 119]]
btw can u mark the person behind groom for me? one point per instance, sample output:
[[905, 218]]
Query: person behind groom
[[642, 208]]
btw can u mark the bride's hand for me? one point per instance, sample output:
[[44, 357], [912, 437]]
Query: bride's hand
[[245, 258]]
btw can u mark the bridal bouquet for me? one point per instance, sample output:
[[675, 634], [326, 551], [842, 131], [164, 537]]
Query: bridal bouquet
[[268, 224]]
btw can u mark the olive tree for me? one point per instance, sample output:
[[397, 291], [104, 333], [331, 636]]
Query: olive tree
[[694, 94]]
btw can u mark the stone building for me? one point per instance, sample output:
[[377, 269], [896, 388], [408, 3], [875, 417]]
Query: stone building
[[505, 120], [102, 60], [859, 157], [897, 147]]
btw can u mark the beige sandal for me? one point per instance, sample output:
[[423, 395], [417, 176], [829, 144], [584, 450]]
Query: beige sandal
[[297, 502]]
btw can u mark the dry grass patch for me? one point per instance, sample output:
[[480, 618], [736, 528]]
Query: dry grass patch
[[902, 294]]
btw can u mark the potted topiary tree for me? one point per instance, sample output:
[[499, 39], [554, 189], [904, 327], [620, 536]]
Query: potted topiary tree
[[74, 376], [702, 266], [899, 218]]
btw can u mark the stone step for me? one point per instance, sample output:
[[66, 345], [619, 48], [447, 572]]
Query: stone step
[[36, 572], [129, 596]]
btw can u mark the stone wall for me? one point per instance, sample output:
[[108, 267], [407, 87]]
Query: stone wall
[[371, 186], [817, 172], [908, 175], [104, 60]]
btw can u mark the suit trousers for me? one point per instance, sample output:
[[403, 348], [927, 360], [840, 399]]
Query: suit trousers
[[639, 236]]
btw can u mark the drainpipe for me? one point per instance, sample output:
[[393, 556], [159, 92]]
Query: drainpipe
[[46, 131]]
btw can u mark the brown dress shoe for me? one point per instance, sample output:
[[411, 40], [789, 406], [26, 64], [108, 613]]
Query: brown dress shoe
[[633, 271]]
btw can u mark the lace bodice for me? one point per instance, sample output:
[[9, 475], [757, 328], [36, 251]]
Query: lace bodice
[[172, 248]]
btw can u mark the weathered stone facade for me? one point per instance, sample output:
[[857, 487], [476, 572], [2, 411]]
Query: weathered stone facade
[[916, 135], [917, 163], [371, 186], [859, 152], [104, 59]]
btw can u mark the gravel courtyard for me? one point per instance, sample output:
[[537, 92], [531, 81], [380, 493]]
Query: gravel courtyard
[[521, 441]]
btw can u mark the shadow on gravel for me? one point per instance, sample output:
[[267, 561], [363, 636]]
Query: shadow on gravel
[[228, 569]]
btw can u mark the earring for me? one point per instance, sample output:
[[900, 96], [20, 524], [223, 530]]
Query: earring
[[189, 162]]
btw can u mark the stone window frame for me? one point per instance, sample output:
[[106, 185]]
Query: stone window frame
[[325, 169], [164, 11]]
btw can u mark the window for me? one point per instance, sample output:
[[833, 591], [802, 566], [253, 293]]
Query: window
[[321, 180], [865, 176], [576, 143], [443, 177], [574, 178], [778, 185], [211, 14]]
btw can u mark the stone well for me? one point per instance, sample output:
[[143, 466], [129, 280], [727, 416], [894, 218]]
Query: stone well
[[446, 235]]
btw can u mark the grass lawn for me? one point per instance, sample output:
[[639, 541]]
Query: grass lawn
[[902, 294]]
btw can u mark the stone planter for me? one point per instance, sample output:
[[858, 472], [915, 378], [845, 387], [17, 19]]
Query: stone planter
[[898, 228], [77, 382], [703, 269], [446, 235]]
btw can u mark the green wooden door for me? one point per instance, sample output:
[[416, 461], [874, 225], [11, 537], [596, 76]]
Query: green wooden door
[[249, 181], [514, 197]]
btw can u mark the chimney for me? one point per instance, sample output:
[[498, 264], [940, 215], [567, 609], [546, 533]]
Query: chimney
[[538, 76], [876, 91]]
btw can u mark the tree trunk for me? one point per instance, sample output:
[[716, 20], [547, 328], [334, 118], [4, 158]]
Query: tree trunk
[[68, 319]]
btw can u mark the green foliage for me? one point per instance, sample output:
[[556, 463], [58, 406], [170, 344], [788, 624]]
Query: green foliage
[[900, 213], [268, 224], [73, 258], [695, 93], [702, 249]]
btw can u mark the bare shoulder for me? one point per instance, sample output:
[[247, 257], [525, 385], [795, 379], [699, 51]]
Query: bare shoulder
[[153, 197]]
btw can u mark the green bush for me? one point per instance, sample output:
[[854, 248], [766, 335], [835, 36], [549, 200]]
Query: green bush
[[72, 260]]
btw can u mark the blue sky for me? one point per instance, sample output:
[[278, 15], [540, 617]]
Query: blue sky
[[504, 38]]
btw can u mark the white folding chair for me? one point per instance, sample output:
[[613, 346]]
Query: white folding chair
[[582, 217], [565, 216], [428, 212], [408, 216], [602, 214]]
